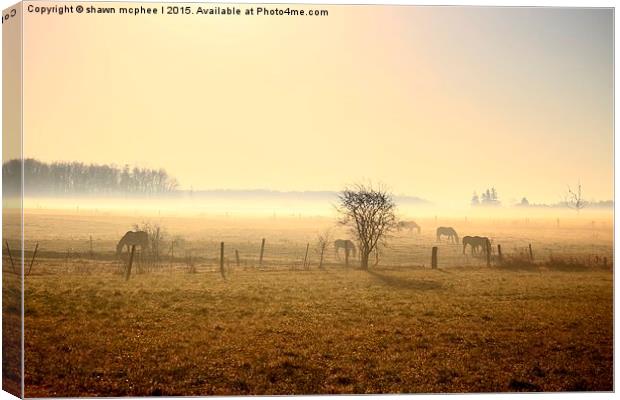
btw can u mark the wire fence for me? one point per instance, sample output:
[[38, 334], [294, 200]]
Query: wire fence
[[92, 255]]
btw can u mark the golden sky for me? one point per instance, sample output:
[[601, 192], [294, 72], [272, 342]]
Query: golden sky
[[432, 101]]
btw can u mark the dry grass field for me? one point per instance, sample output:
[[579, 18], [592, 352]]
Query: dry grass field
[[279, 328]]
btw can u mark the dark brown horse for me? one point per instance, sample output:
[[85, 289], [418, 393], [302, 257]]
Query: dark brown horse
[[346, 245], [476, 243]]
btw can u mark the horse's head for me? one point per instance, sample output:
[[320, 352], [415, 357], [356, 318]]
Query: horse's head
[[119, 248]]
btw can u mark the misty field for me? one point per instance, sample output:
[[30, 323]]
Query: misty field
[[177, 327]]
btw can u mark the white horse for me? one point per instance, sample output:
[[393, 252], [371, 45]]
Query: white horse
[[411, 225]]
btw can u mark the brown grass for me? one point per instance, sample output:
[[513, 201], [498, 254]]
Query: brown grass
[[335, 331], [518, 326]]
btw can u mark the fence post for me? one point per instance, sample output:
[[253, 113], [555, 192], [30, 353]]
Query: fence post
[[222, 259], [156, 247], [8, 249], [237, 257], [306, 256], [499, 252], [531, 254], [34, 255], [262, 251], [434, 258], [488, 253], [128, 273]]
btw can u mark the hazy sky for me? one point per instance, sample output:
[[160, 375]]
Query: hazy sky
[[432, 101]]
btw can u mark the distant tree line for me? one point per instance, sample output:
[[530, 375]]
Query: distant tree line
[[80, 178], [487, 198]]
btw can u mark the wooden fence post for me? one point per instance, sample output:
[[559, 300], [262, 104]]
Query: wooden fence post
[[156, 247], [434, 258], [499, 252], [128, 272], [262, 251], [34, 255], [8, 249], [237, 257], [306, 256], [91, 246], [488, 253], [531, 254], [222, 259]]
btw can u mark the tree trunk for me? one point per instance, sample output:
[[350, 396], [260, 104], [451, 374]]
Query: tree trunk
[[365, 255]]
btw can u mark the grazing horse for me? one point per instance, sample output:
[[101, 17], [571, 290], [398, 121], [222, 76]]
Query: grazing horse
[[139, 238], [476, 242], [449, 232], [411, 225], [345, 245]]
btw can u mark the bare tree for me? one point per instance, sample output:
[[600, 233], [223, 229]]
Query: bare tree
[[574, 199], [323, 241], [156, 234], [370, 213]]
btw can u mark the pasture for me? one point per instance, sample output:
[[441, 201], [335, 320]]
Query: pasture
[[180, 328]]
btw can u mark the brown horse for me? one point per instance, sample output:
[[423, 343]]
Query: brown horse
[[346, 245], [476, 242], [449, 232], [139, 238]]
